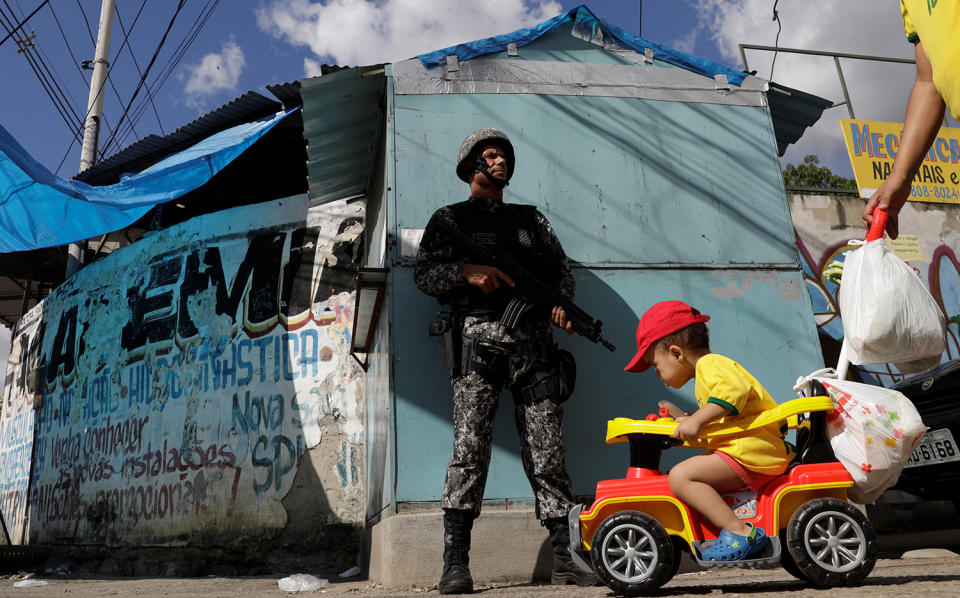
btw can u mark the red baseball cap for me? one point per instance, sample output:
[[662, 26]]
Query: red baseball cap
[[661, 320]]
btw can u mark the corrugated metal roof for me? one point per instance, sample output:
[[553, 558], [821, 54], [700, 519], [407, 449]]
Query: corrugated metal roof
[[792, 112], [149, 150], [342, 119]]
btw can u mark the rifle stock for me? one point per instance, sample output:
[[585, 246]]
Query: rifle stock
[[529, 287]]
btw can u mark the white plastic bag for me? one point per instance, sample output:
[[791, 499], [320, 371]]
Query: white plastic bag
[[872, 430], [888, 314], [301, 582]]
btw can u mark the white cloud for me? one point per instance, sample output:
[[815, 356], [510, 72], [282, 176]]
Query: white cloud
[[358, 32], [217, 71], [311, 67], [878, 90]]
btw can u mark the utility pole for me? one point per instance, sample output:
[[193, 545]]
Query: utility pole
[[91, 127]]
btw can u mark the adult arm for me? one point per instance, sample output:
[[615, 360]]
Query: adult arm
[[439, 270], [922, 121]]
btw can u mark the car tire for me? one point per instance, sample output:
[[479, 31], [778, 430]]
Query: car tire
[[831, 543], [632, 553]]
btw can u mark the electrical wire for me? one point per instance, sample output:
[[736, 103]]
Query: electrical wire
[[22, 22], [143, 78], [126, 36], [171, 64], [63, 35], [776, 42], [83, 76], [93, 40], [179, 52], [43, 74]]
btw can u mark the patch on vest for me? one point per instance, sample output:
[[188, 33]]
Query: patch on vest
[[485, 238], [524, 238]]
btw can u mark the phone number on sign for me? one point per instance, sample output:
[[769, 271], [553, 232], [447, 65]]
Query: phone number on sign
[[934, 192]]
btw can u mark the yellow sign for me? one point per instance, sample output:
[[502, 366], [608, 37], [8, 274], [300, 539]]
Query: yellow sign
[[873, 145]]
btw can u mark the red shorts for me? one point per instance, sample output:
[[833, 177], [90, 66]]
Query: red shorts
[[751, 479]]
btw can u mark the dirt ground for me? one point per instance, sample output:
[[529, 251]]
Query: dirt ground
[[931, 573]]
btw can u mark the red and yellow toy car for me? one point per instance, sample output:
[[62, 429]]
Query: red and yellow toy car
[[636, 528]]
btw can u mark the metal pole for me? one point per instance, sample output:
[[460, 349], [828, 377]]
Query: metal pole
[[843, 86], [91, 127], [26, 298]]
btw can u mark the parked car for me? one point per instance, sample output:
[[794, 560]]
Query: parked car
[[933, 470]]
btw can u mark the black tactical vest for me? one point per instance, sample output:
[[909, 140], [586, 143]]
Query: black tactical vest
[[510, 229]]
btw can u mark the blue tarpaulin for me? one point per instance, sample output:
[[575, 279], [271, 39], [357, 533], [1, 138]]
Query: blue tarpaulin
[[586, 23], [38, 209]]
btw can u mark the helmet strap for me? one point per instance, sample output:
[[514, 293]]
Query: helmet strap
[[481, 166]]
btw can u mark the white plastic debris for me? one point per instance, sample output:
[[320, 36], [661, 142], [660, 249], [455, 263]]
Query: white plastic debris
[[351, 572], [29, 583], [301, 582]]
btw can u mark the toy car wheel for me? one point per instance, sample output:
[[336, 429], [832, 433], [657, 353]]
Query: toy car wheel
[[632, 553], [786, 561], [831, 542]]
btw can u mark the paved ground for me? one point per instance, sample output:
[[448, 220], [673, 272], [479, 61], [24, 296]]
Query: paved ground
[[936, 573], [919, 548]]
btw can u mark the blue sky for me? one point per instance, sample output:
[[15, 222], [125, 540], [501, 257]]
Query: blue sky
[[246, 44]]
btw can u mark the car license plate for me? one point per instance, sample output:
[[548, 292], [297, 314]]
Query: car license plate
[[937, 446]]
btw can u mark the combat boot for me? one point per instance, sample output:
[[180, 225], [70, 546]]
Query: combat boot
[[565, 569], [456, 578]]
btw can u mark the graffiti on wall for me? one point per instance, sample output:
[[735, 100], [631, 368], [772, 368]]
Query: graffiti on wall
[[179, 381], [930, 248]]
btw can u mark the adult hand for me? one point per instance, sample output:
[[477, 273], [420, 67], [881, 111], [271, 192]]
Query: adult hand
[[891, 196], [486, 278], [558, 317]]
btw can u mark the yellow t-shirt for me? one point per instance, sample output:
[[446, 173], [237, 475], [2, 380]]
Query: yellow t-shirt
[[936, 23], [723, 381]]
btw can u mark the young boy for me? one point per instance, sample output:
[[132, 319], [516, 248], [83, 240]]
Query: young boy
[[673, 338]]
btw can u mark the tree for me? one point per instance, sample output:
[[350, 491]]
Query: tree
[[811, 175]]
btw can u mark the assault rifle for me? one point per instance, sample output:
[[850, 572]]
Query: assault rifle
[[530, 289]]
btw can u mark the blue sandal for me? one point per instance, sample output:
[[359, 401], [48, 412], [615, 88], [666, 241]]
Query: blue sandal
[[732, 547]]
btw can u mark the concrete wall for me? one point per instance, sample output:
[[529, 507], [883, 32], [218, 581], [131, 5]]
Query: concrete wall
[[929, 241], [195, 387]]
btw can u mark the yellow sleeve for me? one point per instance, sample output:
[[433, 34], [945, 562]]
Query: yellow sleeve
[[908, 27], [725, 386]]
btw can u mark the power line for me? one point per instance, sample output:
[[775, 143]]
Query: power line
[[93, 40], [76, 62], [776, 42], [147, 72], [23, 22], [47, 80], [170, 65], [126, 37], [174, 60]]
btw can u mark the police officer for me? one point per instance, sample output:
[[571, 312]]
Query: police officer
[[485, 355]]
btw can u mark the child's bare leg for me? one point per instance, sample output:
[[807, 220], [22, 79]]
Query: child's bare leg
[[699, 481]]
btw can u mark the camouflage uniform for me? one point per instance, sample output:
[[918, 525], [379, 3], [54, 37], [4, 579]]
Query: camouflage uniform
[[475, 398]]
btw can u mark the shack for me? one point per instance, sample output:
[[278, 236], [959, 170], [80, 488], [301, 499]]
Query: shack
[[659, 173]]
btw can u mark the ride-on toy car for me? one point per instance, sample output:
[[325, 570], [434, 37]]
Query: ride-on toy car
[[636, 528]]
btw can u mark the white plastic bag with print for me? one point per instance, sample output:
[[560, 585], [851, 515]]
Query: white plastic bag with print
[[872, 430], [888, 314]]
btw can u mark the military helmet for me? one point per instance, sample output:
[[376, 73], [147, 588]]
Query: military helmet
[[468, 161]]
